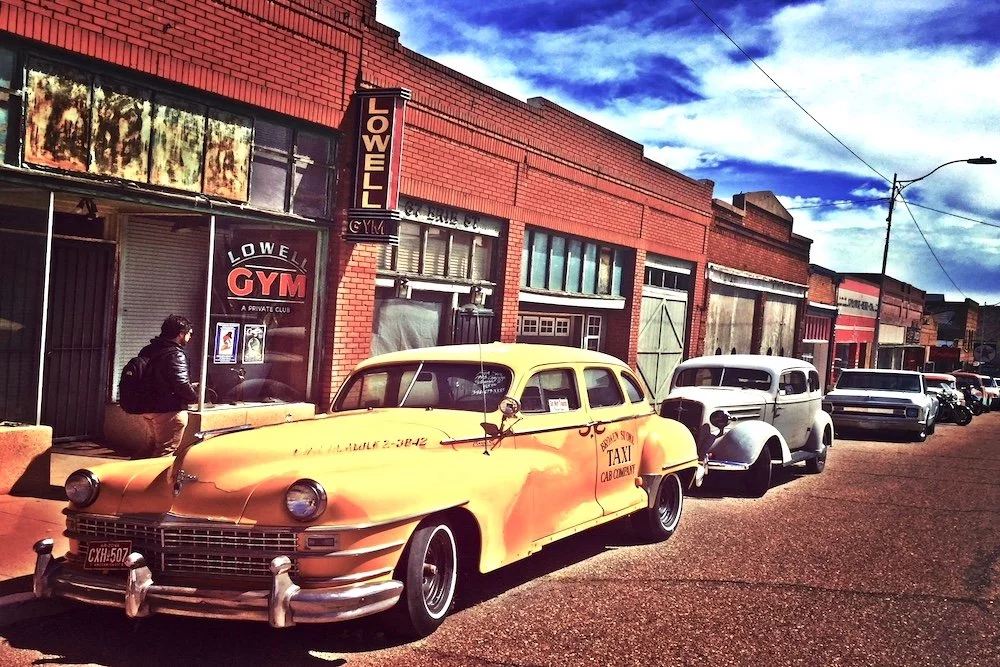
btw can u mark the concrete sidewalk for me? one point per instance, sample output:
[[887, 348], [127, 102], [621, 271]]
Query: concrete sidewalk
[[23, 521]]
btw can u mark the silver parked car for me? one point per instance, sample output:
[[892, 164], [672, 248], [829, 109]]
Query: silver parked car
[[748, 412], [876, 399]]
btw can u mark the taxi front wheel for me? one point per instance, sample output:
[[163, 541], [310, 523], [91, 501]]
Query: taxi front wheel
[[429, 572], [659, 522]]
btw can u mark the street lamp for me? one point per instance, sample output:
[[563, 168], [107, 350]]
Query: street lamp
[[897, 188]]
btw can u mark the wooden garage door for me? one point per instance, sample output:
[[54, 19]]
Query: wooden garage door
[[778, 331], [662, 323], [730, 320]]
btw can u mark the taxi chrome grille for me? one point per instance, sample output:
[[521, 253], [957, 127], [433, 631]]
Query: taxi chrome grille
[[689, 413], [207, 549]]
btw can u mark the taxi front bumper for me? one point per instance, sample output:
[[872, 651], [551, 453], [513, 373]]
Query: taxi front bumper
[[283, 605]]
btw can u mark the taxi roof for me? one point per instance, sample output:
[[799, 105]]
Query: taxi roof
[[514, 355]]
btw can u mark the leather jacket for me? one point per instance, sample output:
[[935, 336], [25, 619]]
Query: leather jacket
[[171, 390]]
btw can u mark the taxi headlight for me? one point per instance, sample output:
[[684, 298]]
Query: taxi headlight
[[82, 487], [305, 500]]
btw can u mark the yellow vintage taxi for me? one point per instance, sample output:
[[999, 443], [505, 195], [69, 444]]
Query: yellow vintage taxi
[[431, 463]]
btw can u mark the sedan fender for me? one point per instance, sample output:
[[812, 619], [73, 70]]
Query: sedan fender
[[821, 422], [740, 446]]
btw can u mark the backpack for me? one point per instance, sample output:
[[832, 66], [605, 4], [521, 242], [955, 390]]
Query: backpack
[[134, 385]]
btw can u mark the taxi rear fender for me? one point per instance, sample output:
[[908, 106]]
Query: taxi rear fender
[[743, 443]]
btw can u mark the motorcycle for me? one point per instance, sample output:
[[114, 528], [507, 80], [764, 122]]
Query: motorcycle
[[951, 410], [973, 400]]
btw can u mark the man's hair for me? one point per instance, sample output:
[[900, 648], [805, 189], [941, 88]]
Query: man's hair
[[174, 325]]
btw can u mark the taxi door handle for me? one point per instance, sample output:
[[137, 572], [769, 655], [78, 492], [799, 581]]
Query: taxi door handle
[[599, 429], [585, 429]]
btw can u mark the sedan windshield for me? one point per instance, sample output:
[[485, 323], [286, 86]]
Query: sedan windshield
[[880, 381], [744, 378], [442, 385]]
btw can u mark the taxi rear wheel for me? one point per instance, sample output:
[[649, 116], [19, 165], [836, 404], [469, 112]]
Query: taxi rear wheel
[[659, 522], [429, 572]]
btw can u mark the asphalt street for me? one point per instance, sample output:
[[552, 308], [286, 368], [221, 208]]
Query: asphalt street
[[889, 557]]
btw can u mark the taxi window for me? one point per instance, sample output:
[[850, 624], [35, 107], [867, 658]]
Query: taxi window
[[602, 388], [550, 391], [633, 389], [439, 385]]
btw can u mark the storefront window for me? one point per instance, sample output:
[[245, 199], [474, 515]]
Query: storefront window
[[23, 226], [292, 169], [6, 81], [263, 312]]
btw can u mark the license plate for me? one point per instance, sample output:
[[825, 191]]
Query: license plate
[[107, 555]]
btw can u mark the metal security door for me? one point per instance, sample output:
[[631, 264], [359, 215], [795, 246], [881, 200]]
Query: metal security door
[[662, 322], [77, 346]]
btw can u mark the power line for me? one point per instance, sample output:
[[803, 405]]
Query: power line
[[845, 146], [933, 254], [787, 94]]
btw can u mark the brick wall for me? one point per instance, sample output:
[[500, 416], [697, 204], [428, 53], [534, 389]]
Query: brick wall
[[465, 144], [822, 289]]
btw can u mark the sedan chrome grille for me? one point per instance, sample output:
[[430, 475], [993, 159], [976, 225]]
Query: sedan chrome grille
[[209, 549], [689, 413]]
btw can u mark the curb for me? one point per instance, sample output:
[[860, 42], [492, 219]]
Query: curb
[[18, 602]]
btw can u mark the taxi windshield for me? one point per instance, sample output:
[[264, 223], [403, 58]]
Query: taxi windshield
[[433, 384]]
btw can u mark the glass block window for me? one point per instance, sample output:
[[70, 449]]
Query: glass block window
[[539, 260], [529, 326], [568, 264]]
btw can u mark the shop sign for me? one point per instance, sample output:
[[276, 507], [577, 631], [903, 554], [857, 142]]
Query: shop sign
[[856, 303], [373, 217], [447, 216], [266, 276]]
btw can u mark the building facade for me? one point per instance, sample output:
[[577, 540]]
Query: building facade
[[309, 192], [854, 334], [820, 322], [757, 280]]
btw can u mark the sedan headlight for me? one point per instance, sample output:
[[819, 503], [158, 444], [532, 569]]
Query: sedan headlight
[[719, 419], [305, 500], [82, 487]]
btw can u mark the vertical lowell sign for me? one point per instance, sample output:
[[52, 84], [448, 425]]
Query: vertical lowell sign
[[373, 217]]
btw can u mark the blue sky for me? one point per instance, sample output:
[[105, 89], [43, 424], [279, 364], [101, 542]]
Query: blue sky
[[879, 87]]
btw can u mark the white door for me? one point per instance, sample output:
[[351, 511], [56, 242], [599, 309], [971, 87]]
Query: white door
[[662, 323]]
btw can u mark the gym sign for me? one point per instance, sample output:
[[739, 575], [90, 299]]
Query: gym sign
[[373, 217]]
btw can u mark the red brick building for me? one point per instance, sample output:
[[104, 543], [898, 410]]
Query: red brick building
[[758, 278], [212, 159]]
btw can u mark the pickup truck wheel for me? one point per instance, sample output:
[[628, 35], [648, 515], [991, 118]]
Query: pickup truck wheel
[[758, 477], [921, 435], [429, 572], [659, 522]]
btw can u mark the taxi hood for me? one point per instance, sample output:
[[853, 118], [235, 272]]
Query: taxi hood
[[217, 478]]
